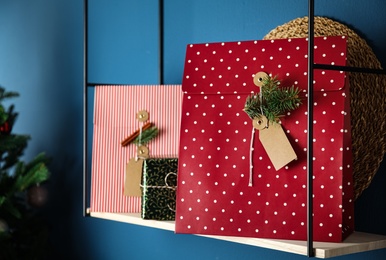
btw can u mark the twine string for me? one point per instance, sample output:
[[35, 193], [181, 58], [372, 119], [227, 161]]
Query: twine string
[[140, 135], [166, 186], [250, 184], [139, 144]]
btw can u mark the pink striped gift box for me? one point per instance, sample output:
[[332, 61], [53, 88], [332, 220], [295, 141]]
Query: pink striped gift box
[[115, 109]]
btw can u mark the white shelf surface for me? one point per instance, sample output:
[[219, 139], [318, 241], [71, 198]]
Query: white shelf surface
[[355, 243]]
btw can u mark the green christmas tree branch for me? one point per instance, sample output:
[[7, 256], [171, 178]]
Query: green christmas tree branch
[[11, 208], [6, 95], [24, 176], [146, 136], [17, 212], [31, 174], [11, 148]]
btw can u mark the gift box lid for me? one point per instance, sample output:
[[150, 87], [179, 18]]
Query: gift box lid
[[229, 67]]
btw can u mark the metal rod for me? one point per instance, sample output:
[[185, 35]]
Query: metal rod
[[161, 41], [349, 69], [94, 84], [85, 106], [310, 247]]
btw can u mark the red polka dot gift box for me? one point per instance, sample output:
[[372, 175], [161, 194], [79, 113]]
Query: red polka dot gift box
[[227, 184]]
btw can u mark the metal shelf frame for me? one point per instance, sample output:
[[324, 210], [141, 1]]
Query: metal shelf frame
[[311, 67], [87, 85]]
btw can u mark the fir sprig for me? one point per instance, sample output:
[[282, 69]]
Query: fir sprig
[[274, 100], [7, 94], [19, 219], [11, 148], [4, 116], [146, 136]]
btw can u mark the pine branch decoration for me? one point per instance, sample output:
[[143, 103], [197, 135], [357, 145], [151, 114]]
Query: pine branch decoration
[[3, 96], [146, 136], [274, 100]]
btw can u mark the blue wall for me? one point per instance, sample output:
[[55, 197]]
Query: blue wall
[[41, 57]]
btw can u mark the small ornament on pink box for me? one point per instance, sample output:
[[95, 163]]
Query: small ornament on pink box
[[134, 167], [152, 179], [265, 110]]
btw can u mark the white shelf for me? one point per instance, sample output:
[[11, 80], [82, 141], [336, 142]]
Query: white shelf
[[357, 242]]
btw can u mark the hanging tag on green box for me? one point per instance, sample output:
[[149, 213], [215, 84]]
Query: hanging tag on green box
[[134, 173], [133, 177]]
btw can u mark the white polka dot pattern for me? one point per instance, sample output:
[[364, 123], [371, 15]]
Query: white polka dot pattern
[[213, 196]]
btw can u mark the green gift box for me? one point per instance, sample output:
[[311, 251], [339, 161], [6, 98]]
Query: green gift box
[[158, 184]]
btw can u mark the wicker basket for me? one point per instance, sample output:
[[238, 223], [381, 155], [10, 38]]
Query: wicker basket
[[368, 95]]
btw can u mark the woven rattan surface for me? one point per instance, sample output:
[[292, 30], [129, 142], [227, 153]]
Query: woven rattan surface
[[368, 95]]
